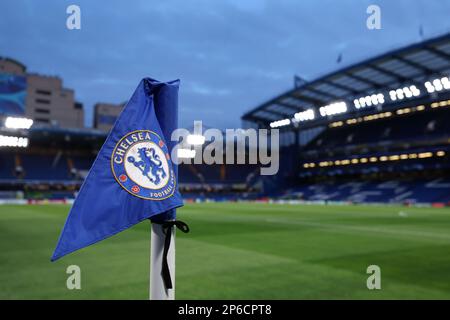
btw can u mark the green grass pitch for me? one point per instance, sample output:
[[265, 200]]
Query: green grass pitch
[[240, 251]]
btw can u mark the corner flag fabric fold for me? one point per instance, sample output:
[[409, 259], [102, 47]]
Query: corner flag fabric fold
[[132, 178]]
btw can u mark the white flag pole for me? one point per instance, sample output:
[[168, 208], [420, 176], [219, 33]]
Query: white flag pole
[[158, 289]]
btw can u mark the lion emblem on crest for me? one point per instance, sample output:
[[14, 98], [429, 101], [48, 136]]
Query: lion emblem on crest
[[149, 164]]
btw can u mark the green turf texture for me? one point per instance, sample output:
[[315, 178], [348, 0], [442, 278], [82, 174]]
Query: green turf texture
[[240, 251]]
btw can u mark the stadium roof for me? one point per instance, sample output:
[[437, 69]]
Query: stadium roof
[[410, 65]]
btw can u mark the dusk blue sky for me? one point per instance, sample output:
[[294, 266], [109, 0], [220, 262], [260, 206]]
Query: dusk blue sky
[[230, 55]]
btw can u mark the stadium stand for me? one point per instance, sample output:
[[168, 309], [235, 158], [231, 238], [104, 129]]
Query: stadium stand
[[6, 166], [42, 167], [374, 132], [389, 191], [57, 173], [418, 126]]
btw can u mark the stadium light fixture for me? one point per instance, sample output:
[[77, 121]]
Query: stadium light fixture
[[305, 115], [195, 139], [11, 141], [394, 157], [404, 93], [336, 124], [368, 101], [18, 123], [377, 116], [424, 155], [420, 108], [325, 163], [185, 153], [429, 86], [384, 158], [442, 103], [437, 84], [332, 109], [280, 123], [445, 82], [403, 111]]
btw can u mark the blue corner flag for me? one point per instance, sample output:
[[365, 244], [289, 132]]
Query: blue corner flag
[[132, 178]]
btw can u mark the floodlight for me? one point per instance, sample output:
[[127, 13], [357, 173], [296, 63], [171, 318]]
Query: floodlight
[[429, 86], [18, 123], [195, 139], [437, 84], [280, 123], [332, 109], [305, 115], [185, 154], [11, 141]]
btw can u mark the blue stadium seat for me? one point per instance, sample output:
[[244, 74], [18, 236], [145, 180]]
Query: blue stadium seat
[[7, 166], [44, 167]]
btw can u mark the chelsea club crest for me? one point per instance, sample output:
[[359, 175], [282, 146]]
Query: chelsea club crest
[[141, 164]]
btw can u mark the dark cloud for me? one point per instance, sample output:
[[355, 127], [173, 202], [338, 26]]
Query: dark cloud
[[230, 55]]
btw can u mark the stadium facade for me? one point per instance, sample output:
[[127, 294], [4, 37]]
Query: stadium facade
[[372, 132], [41, 98], [376, 131], [49, 160]]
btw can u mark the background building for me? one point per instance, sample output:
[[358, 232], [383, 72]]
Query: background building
[[38, 97], [105, 114]]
